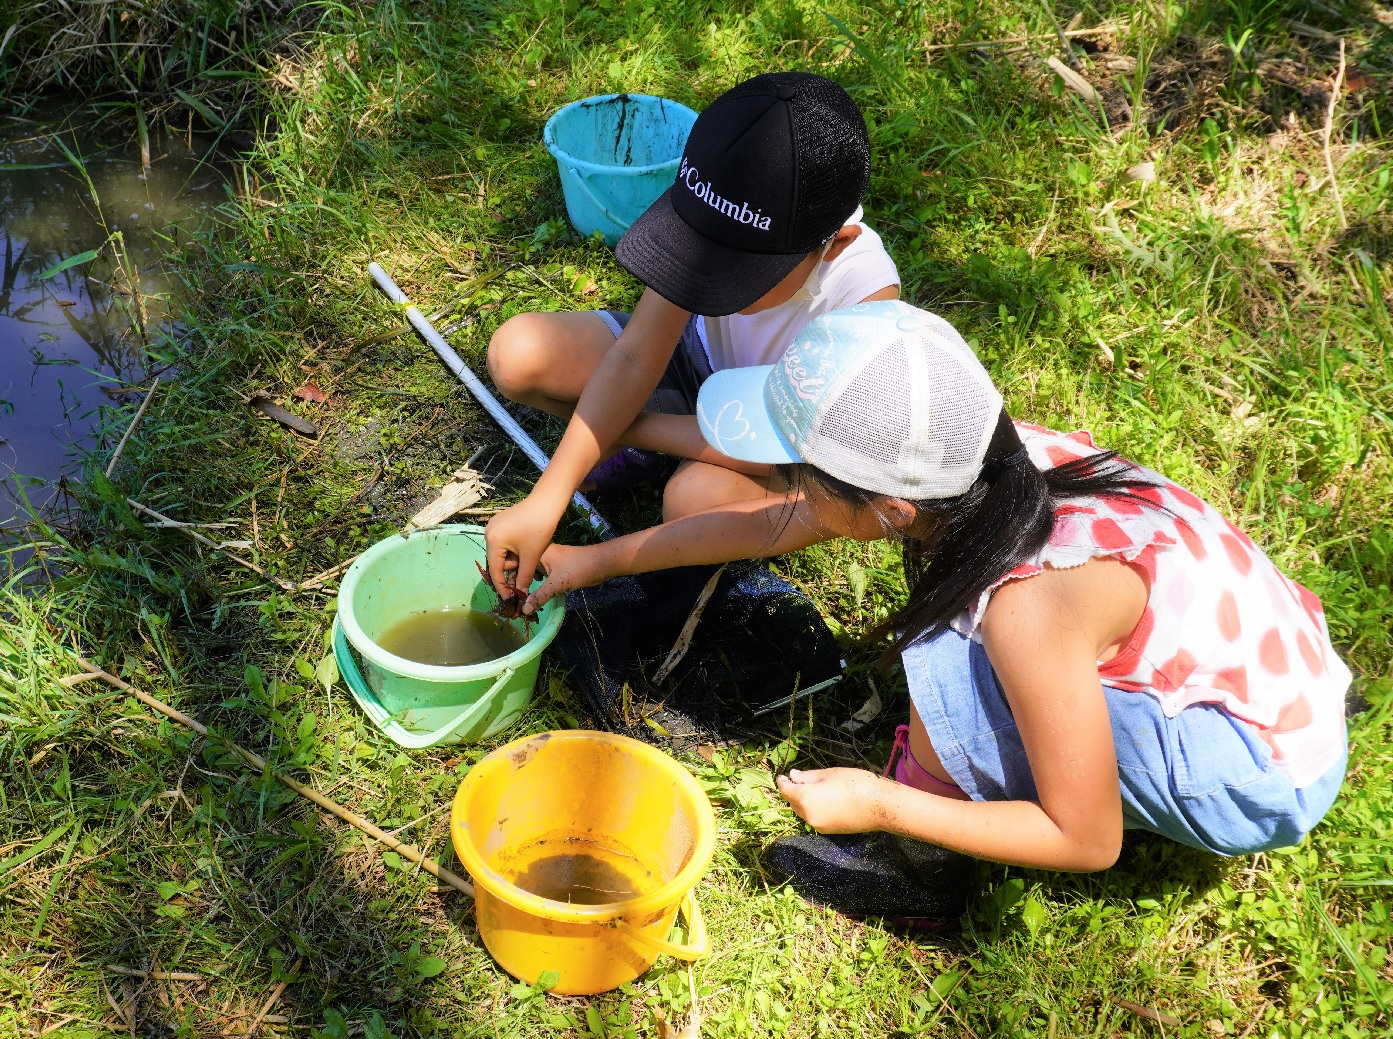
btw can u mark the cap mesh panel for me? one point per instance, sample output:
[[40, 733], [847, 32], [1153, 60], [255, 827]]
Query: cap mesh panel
[[959, 410], [834, 152], [834, 158], [871, 414]]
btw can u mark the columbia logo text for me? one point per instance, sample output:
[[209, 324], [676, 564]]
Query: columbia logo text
[[738, 211]]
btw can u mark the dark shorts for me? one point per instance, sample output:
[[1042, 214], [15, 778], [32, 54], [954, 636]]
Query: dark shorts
[[676, 393]]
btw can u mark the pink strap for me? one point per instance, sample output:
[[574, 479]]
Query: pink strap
[[908, 770]]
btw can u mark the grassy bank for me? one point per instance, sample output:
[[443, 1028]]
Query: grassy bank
[[1171, 265]]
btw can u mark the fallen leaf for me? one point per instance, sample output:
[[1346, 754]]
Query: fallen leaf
[[268, 407], [1073, 80], [309, 391], [1355, 79], [588, 288], [1142, 171]]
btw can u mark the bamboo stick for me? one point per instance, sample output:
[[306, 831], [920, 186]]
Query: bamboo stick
[[140, 414], [1010, 40], [256, 761]]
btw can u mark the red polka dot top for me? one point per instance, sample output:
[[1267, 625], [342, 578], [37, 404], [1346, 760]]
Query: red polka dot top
[[1222, 624]]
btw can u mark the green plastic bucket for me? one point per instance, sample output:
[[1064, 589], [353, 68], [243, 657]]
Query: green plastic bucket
[[421, 705]]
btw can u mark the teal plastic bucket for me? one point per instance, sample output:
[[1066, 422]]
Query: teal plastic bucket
[[421, 705], [617, 153]]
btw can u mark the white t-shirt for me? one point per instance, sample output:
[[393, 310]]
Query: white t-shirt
[[746, 340]]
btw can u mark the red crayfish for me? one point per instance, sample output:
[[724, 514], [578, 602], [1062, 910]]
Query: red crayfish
[[509, 607]]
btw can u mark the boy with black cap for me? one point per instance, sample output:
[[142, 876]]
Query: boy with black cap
[[760, 233]]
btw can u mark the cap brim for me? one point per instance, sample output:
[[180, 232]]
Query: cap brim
[[735, 421], [663, 251]]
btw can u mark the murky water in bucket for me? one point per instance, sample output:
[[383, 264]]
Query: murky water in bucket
[[68, 335], [580, 872], [450, 638]]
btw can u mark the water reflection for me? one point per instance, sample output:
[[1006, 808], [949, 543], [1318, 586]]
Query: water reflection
[[71, 341]]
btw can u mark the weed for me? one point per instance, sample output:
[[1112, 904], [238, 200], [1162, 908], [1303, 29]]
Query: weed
[[1212, 321]]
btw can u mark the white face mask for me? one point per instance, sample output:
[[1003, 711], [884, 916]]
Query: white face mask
[[813, 285]]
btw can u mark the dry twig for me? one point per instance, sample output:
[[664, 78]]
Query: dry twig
[[1325, 135], [1150, 1013], [1101, 30], [281, 583], [684, 637], [257, 762], [153, 975], [271, 1001], [140, 414], [332, 572]]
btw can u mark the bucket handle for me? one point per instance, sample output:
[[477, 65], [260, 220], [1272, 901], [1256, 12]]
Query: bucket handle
[[464, 719], [696, 946], [378, 715], [623, 225]]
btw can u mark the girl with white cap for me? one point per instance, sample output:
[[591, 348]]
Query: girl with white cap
[[1089, 647]]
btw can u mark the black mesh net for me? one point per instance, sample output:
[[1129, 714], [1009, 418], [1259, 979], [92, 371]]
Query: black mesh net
[[757, 644]]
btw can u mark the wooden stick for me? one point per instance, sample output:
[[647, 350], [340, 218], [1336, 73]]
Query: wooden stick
[[1329, 124], [73, 680], [270, 1001], [154, 975], [140, 414], [257, 762], [281, 583], [333, 571], [684, 637], [1008, 41], [176, 524]]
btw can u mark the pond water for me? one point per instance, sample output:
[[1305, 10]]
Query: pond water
[[71, 339]]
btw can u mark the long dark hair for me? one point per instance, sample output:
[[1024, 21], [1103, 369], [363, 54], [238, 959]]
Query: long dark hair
[[1001, 521]]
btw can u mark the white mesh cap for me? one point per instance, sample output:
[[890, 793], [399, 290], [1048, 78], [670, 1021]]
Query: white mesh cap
[[882, 395]]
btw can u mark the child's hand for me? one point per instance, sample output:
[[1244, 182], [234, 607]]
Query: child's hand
[[516, 539], [835, 800], [567, 567]]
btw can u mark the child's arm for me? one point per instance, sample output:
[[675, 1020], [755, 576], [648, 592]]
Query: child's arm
[[1043, 637], [740, 530], [680, 436], [612, 398]]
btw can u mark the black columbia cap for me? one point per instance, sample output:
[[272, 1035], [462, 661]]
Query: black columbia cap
[[772, 169]]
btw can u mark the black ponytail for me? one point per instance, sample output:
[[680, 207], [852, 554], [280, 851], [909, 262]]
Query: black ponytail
[[1001, 521]]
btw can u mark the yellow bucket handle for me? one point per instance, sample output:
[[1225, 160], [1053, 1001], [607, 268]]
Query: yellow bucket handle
[[695, 948]]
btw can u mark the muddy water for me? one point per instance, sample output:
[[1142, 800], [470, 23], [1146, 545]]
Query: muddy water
[[583, 873], [66, 338], [451, 638]]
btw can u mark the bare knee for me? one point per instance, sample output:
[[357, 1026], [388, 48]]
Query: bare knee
[[683, 494], [518, 355], [700, 485]]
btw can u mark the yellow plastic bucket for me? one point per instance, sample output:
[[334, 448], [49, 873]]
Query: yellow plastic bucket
[[605, 811]]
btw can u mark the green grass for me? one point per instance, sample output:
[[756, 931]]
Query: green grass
[[1218, 323]]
